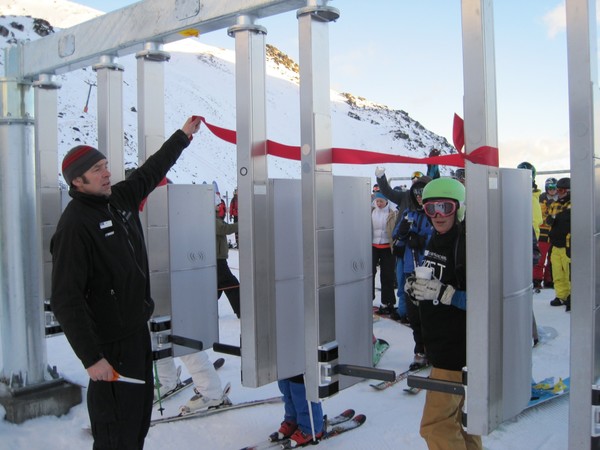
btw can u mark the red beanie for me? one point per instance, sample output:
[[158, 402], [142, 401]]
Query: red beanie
[[79, 160]]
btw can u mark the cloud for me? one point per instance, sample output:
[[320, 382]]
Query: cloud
[[545, 154], [556, 20]]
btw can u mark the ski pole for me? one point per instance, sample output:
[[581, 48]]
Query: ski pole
[[157, 384]]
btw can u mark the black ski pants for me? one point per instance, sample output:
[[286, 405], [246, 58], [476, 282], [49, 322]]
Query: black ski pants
[[120, 412], [227, 282]]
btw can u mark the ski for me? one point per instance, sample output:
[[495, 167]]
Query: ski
[[547, 390], [335, 430], [185, 384], [215, 410], [401, 376], [273, 441]]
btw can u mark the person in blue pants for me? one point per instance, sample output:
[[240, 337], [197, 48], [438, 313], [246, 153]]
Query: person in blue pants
[[297, 425]]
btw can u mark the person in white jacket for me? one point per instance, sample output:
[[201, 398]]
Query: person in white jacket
[[383, 219]]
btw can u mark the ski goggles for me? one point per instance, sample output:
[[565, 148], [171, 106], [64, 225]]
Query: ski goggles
[[550, 187], [416, 175], [444, 208]]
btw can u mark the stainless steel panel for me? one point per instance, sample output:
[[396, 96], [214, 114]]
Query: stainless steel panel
[[158, 249], [287, 266], [517, 292], [157, 210], [160, 283], [194, 312], [290, 327], [192, 227], [50, 204], [354, 326], [353, 303], [194, 309]]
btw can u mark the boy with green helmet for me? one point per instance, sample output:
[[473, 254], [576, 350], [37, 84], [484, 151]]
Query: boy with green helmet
[[440, 293]]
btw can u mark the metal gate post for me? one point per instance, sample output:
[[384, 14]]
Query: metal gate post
[[46, 144], [257, 282], [321, 348], [110, 114], [584, 108], [151, 135], [484, 245]]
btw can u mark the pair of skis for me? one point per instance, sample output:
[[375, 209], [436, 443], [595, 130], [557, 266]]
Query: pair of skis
[[215, 410], [340, 424], [185, 384]]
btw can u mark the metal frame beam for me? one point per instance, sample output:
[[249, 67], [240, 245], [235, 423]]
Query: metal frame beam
[[126, 30]]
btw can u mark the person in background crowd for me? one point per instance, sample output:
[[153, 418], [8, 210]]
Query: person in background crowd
[[101, 286], [411, 234], [542, 271], [442, 303], [433, 170], [221, 207], [382, 220], [536, 210], [459, 174], [233, 213], [559, 219], [226, 281]]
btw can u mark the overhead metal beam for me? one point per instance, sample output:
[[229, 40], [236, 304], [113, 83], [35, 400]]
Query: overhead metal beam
[[126, 30]]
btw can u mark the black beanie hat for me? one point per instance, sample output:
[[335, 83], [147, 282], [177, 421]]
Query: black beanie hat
[[79, 160]]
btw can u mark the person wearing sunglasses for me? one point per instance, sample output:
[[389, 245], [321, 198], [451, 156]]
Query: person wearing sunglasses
[[559, 219], [542, 271], [442, 301]]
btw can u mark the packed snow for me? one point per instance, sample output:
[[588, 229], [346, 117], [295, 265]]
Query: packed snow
[[392, 415]]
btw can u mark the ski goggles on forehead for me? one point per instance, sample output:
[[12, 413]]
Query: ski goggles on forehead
[[442, 207], [416, 175]]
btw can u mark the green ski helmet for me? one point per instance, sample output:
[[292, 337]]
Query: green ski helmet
[[528, 166], [446, 188]]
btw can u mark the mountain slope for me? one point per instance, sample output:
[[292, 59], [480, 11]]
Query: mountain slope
[[200, 80]]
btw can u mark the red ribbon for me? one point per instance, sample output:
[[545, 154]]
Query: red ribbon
[[482, 155]]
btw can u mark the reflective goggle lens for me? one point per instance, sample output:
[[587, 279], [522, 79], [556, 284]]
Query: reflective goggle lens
[[444, 208], [550, 186], [417, 175]]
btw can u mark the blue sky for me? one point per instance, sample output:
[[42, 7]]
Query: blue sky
[[407, 55]]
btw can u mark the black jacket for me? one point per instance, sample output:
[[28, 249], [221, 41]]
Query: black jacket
[[443, 327], [100, 276]]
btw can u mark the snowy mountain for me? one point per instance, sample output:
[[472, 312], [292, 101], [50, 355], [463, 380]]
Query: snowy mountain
[[200, 80]]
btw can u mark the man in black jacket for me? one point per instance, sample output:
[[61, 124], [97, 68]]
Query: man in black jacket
[[101, 286]]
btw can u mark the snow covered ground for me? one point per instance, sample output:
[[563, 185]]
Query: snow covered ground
[[392, 415]]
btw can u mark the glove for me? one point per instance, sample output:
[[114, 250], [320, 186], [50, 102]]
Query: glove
[[415, 241], [403, 228], [550, 220], [433, 290], [379, 171]]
